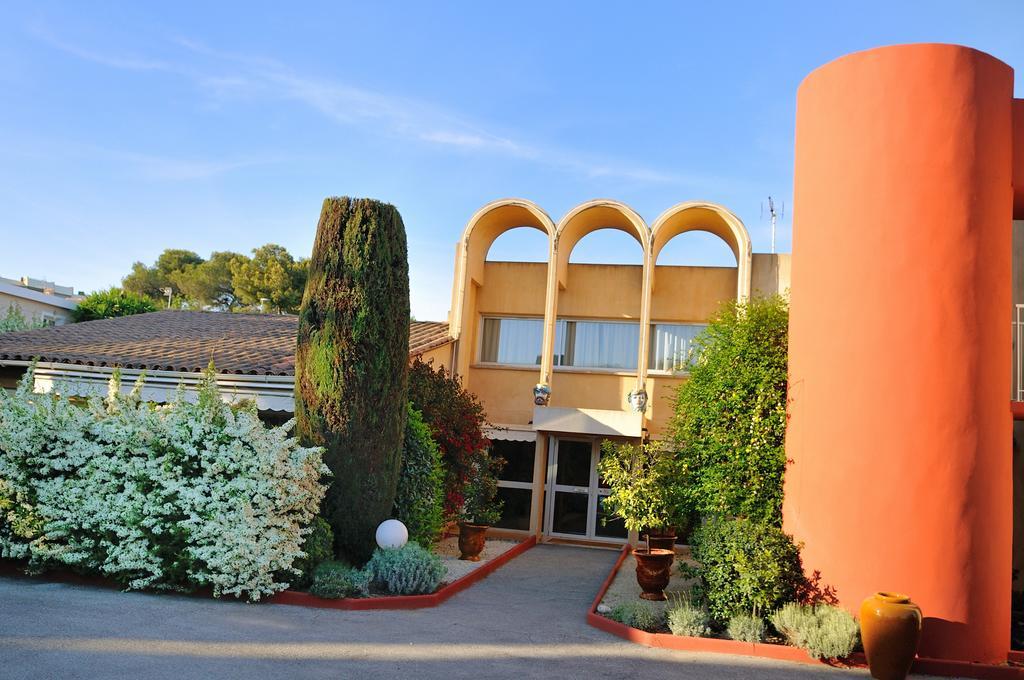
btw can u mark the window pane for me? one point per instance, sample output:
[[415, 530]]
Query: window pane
[[573, 463], [515, 513], [597, 344], [607, 524], [512, 341], [672, 345], [570, 513], [518, 460]]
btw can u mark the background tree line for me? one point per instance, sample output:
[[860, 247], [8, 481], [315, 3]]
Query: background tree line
[[271, 280]]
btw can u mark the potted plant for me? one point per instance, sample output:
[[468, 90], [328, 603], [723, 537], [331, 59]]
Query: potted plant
[[480, 509], [639, 479]]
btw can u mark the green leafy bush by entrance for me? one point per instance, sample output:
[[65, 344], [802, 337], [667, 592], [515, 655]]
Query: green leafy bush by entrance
[[419, 502], [642, 486], [336, 580], [729, 421], [409, 570], [746, 628], [824, 631], [351, 364], [177, 497], [107, 304], [745, 567]]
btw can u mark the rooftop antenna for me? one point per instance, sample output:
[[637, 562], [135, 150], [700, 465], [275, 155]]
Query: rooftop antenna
[[774, 214]]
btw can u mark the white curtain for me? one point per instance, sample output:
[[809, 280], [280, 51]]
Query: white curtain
[[598, 344], [672, 345], [518, 341]]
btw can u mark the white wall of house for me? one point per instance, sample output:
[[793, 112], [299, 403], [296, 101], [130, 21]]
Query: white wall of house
[[35, 306]]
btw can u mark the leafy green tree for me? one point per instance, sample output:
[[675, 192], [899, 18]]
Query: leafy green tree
[[272, 274], [729, 423], [209, 282], [145, 281], [150, 281], [351, 363], [106, 304]]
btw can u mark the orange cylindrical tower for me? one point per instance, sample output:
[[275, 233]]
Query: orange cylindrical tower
[[900, 359]]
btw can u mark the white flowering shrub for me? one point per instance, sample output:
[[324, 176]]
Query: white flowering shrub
[[182, 496]]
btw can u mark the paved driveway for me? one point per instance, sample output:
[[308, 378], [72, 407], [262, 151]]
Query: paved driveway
[[524, 621]]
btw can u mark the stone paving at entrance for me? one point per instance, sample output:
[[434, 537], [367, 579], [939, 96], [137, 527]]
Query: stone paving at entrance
[[527, 620]]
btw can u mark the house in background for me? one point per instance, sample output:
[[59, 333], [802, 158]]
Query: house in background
[[253, 355], [40, 302]]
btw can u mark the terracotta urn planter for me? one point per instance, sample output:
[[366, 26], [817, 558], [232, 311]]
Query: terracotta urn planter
[[472, 538], [890, 628], [653, 570]]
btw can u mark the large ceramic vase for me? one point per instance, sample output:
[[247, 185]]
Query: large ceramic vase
[[653, 571], [890, 628], [471, 540]]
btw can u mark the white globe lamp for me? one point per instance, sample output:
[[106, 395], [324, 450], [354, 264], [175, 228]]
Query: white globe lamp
[[392, 534]]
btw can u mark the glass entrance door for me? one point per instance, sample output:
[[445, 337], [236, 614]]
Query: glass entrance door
[[573, 507]]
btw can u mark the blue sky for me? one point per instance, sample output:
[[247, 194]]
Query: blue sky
[[125, 129]]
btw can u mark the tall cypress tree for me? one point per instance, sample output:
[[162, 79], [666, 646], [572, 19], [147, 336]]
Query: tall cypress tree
[[351, 363]]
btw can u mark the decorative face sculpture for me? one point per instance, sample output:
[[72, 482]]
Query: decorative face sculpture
[[638, 400], [541, 394]]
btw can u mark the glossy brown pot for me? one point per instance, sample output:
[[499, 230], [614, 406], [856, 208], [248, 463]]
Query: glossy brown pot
[[890, 628], [653, 570], [472, 538]]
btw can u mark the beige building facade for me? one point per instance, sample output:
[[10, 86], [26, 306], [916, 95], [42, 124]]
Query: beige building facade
[[566, 355]]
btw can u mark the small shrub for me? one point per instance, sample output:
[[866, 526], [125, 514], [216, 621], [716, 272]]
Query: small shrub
[[824, 631], [336, 580], [319, 547], [107, 304], [480, 504], [409, 570], [746, 628], [688, 619], [638, 614], [745, 567], [419, 502]]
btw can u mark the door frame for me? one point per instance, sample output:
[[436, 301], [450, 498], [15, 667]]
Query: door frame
[[593, 491]]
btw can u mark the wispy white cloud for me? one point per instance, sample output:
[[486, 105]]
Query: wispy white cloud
[[146, 166], [224, 76]]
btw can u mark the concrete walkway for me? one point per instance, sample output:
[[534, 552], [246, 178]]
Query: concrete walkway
[[524, 621]]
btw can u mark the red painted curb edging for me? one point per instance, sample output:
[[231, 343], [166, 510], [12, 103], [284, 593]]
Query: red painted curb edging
[[769, 651], [292, 597]]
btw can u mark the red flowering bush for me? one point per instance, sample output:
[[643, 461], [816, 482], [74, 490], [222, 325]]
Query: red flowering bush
[[456, 420]]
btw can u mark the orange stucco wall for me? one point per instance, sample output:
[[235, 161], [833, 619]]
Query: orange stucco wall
[[900, 434]]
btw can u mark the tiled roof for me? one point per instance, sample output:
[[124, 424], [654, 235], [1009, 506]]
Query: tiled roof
[[254, 344]]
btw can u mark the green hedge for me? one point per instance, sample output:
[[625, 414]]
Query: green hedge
[[419, 503]]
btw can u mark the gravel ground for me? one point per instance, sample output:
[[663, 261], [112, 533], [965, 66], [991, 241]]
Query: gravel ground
[[625, 588], [448, 550]]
